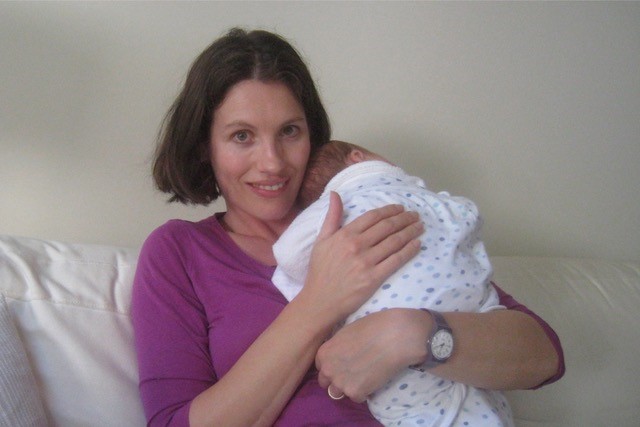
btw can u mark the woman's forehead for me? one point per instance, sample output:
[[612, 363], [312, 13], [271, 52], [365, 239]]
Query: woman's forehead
[[254, 101]]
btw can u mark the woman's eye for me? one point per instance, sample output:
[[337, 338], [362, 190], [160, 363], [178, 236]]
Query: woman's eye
[[290, 131], [241, 136]]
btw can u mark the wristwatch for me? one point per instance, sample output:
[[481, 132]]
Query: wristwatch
[[440, 343]]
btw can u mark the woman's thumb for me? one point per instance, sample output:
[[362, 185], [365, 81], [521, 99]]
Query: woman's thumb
[[333, 220]]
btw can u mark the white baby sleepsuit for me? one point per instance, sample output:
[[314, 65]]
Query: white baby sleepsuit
[[451, 273]]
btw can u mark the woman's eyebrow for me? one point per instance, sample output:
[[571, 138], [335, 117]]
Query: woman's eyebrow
[[245, 124], [295, 120], [238, 123]]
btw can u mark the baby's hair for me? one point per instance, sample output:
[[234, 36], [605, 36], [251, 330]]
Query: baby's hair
[[325, 162]]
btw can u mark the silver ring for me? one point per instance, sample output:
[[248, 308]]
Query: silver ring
[[332, 396]]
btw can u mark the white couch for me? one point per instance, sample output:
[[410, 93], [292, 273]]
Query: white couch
[[67, 357]]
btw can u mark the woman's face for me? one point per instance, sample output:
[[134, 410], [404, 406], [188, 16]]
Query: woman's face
[[259, 150]]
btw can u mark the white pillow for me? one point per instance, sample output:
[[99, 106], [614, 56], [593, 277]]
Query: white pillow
[[71, 305], [20, 404]]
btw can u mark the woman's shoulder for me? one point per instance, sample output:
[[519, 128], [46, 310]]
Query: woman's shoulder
[[171, 230], [173, 248], [178, 234]]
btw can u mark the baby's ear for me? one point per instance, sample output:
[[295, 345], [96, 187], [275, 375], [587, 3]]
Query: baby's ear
[[356, 156]]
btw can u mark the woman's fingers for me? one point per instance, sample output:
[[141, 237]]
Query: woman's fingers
[[364, 355], [382, 240], [398, 248], [349, 263], [365, 221], [391, 241], [383, 223]]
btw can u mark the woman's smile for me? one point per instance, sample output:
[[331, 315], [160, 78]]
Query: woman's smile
[[268, 188]]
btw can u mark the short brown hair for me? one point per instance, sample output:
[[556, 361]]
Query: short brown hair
[[181, 165]]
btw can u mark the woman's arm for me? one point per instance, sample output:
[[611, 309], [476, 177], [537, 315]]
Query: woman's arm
[[510, 303], [503, 349], [499, 350], [262, 381]]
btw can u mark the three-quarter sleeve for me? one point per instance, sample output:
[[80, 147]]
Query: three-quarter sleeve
[[170, 328]]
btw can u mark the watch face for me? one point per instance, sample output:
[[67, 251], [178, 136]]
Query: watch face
[[442, 345]]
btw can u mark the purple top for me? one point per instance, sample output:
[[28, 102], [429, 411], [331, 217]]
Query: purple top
[[198, 303]]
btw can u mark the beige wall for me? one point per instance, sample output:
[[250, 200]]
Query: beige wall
[[530, 109]]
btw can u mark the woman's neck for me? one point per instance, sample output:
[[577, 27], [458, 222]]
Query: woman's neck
[[245, 225], [255, 237]]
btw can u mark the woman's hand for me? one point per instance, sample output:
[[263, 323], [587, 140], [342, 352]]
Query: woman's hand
[[362, 356], [348, 264]]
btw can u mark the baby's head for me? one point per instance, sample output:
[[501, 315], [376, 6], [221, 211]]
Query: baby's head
[[325, 163]]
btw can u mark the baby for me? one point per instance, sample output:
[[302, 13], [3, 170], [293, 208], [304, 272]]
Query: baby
[[451, 273]]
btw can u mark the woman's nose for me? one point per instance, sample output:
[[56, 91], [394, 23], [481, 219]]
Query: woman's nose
[[271, 156]]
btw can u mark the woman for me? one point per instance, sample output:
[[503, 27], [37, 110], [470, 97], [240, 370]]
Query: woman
[[217, 344]]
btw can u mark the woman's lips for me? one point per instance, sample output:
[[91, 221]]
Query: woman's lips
[[270, 189]]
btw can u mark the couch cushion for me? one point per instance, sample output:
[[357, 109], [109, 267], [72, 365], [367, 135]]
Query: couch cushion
[[20, 405], [70, 303]]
